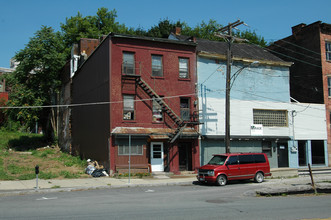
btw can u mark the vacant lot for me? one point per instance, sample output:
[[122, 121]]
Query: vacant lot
[[21, 152]]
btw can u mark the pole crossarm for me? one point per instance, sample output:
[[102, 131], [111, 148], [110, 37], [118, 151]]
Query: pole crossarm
[[232, 25], [226, 37]]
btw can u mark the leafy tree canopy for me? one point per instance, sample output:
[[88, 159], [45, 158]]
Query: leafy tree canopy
[[204, 30], [36, 79], [103, 23]]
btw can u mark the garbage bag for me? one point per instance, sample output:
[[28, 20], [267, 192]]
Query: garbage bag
[[98, 173]]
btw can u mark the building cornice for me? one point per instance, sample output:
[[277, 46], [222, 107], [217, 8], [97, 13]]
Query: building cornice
[[245, 60]]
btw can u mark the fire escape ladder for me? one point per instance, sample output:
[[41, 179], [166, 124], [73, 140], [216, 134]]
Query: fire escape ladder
[[178, 131], [179, 122], [160, 101]]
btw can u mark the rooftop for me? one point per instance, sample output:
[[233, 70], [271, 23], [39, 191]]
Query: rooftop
[[240, 51]]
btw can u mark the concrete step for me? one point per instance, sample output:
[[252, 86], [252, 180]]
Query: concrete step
[[283, 172], [160, 175]]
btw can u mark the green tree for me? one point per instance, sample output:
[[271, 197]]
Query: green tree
[[204, 30], [36, 80], [103, 23], [252, 37], [163, 28]]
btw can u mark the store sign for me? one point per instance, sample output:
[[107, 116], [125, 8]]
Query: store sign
[[256, 129]]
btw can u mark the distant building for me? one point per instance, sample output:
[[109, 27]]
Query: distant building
[[4, 90], [309, 48]]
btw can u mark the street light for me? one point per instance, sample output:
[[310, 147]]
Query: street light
[[230, 78]]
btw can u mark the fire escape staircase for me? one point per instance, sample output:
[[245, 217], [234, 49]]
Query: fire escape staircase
[[181, 125]]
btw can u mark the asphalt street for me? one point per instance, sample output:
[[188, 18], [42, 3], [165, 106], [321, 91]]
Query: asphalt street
[[165, 202]]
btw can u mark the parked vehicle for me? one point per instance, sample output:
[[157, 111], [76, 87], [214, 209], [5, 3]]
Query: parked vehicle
[[235, 166]]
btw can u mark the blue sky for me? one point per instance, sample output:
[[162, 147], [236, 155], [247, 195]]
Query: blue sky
[[20, 19]]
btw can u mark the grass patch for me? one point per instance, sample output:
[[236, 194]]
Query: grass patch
[[16, 164], [21, 141], [69, 175], [47, 175], [14, 169], [26, 176]]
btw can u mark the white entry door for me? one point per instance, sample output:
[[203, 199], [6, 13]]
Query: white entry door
[[157, 156]]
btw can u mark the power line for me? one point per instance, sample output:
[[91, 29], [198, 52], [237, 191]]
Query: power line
[[275, 40], [88, 104], [291, 57], [318, 59], [301, 47]]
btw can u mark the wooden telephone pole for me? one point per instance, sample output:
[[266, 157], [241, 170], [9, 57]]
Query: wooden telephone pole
[[226, 33]]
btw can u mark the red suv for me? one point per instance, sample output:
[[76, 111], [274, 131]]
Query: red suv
[[235, 166]]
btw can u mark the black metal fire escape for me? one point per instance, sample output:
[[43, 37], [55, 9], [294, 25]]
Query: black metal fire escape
[[181, 125]]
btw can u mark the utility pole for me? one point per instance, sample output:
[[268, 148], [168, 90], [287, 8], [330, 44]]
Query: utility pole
[[230, 39]]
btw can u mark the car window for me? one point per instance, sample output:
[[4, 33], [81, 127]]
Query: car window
[[217, 160], [245, 159], [259, 158], [233, 160]]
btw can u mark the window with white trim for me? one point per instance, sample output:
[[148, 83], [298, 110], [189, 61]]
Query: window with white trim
[[270, 118], [128, 66], [135, 150], [183, 68], [157, 67], [328, 50], [128, 107], [329, 86], [157, 111]]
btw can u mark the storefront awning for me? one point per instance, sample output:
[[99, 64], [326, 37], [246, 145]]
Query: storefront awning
[[156, 137], [153, 133]]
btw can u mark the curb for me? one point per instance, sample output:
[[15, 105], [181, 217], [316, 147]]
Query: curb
[[73, 189], [294, 190]]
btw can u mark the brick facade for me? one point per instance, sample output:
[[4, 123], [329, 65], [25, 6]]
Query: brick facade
[[309, 74]]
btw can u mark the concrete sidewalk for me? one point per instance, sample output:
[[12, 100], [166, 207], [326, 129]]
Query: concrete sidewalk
[[55, 185], [272, 186]]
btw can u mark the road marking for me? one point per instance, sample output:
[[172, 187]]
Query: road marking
[[150, 191], [45, 198]]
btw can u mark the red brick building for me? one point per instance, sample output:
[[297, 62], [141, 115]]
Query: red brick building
[[136, 99], [309, 48]]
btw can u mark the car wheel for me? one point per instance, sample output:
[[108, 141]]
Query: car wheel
[[259, 177], [221, 180]]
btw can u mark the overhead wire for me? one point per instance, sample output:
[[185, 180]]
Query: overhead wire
[[166, 97], [89, 103], [285, 48], [301, 47]]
